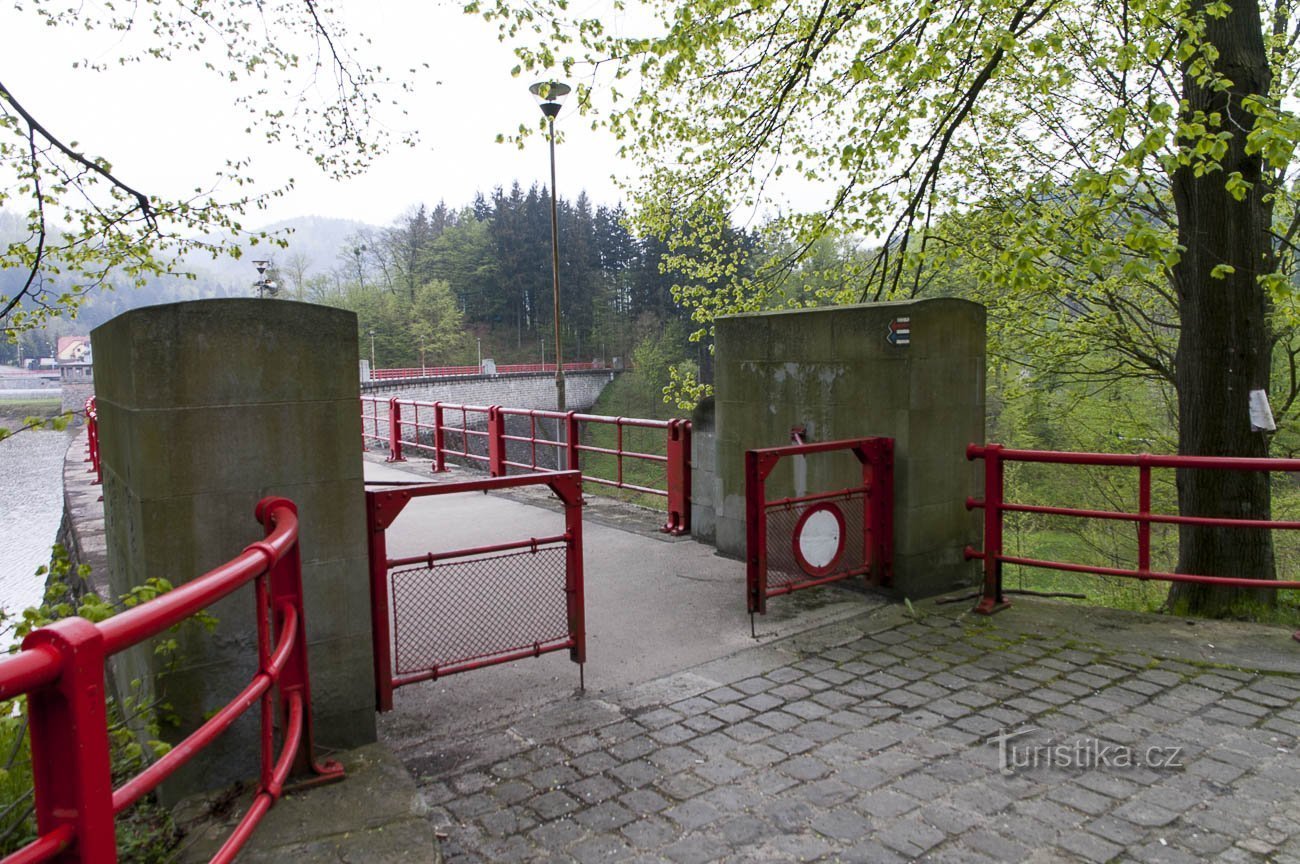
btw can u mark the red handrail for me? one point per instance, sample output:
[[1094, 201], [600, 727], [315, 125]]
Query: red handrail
[[92, 440], [378, 410], [501, 369], [61, 669], [410, 421], [425, 372], [994, 504]]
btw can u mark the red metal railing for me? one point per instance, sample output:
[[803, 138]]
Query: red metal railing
[[860, 544], [425, 372], [375, 411], [61, 669], [502, 369], [92, 440], [454, 611], [994, 504], [443, 429], [518, 368]]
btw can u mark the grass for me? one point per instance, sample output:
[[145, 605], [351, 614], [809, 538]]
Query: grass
[[629, 396], [1118, 592], [1094, 542], [26, 406]]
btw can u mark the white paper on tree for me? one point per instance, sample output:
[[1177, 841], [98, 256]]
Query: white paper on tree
[[1261, 416]]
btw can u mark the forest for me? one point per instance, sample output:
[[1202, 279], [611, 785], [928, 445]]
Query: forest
[[446, 285]]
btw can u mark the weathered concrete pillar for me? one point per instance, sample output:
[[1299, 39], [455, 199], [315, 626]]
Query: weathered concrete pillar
[[204, 408], [838, 372], [704, 472]]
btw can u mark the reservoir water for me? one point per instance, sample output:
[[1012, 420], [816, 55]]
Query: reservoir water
[[31, 505]]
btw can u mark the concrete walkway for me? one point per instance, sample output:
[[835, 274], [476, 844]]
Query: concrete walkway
[[875, 740], [855, 731], [655, 605]]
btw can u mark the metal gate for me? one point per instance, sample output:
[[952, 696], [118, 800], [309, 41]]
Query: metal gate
[[814, 538], [452, 611]]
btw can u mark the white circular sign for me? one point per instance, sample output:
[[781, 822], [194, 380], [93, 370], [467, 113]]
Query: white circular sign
[[819, 540]]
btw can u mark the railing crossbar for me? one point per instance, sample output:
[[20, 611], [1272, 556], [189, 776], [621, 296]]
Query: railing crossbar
[[503, 446], [59, 667], [994, 505], [1149, 518]]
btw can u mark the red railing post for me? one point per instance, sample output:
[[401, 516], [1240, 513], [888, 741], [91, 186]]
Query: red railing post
[[496, 428], [71, 774], [439, 459], [755, 535], [572, 439], [1144, 515], [881, 516], [569, 490], [992, 600], [377, 547], [92, 440], [286, 599], [89, 409], [679, 477], [395, 431]]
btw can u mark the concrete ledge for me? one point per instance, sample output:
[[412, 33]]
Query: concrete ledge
[[82, 531], [374, 815]]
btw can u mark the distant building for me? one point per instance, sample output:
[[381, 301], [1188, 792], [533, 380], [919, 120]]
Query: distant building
[[73, 349], [74, 360]]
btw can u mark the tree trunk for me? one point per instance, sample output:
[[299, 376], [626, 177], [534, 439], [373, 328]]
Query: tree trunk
[[1223, 347]]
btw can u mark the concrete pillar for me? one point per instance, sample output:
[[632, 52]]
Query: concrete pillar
[[836, 372], [204, 408], [704, 472]]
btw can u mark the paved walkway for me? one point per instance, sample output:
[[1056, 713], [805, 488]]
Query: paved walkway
[[875, 738], [654, 605], [871, 741]]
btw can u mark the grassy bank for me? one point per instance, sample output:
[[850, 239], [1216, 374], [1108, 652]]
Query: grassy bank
[[1103, 543], [15, 411], [1125, 593], [629, 395]]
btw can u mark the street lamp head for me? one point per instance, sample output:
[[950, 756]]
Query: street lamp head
[[549, 96], [261, 266]]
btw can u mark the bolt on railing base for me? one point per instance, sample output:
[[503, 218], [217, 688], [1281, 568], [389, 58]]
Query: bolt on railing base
[[989, 606], [323, 772]]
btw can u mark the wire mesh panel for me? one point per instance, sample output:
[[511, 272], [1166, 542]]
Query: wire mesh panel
[[789, 565], [457, 612], [816, 537], [454, 610]]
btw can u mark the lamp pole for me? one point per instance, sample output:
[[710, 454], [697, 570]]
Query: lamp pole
[[265, 286], [549, 94], [372, 353]]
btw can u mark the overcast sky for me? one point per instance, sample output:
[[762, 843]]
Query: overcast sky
[[168, 128]]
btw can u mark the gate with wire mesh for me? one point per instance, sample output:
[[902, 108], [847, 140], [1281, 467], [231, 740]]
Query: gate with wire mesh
[[814, 538], [451, 611]]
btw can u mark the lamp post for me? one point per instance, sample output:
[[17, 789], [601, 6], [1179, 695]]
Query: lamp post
[[372, 353], [549, 94], [264, 285]]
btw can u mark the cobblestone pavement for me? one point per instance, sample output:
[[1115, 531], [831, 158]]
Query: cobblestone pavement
[[876, 741]]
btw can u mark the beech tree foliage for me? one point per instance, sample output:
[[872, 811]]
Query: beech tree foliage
[[1112, 171], [289, 64]]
